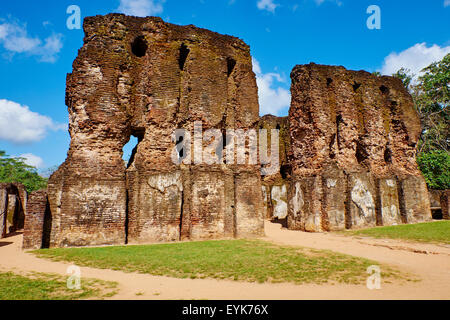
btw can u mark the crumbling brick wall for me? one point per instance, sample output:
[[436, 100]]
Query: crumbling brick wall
[[13, 199], [143, 77], [445, 204], [353, 141], [3, 210], [35, 236], [275, 184]]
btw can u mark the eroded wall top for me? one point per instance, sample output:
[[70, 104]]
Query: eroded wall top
[[353, 119]]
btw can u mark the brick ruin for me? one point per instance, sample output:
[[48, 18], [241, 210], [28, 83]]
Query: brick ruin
[[146, 78], [353, 145], [347, 149], [275, 186], [13, 201], [439, 202]]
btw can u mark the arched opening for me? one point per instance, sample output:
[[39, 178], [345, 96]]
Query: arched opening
[[231, 63], [361, 153], [139, 46], [130, 149], [384, 90], [329, 81], [387, 155], [356, 86], [184, 52]]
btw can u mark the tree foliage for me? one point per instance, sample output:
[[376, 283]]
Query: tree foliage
[[16, 170], [435, 166], [431, 94]]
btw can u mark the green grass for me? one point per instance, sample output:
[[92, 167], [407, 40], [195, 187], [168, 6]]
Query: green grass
[[43, 286], [438, 232], [240, 260]]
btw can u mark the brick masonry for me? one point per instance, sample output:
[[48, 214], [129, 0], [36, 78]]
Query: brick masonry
[[13, 199], [353, 141], [347, 149], [36, 213]]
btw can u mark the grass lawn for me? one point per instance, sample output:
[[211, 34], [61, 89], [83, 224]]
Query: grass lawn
[[437, 231], [42, 286], [240, 260]]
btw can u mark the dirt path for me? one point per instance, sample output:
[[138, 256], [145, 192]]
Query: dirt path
[[432, 267]]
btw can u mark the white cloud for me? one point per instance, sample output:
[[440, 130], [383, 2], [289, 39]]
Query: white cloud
[[15, 40], [414, 58], [447, 3], [33, 160], [271, 99], [268, 5], [18, 124], [141, 8]]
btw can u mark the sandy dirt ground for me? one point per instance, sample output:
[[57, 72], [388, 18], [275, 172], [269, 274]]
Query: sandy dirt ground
[[430, 263]]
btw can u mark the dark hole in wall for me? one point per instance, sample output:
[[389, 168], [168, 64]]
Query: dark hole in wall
[[184, 52], [339, 121], [278, 127], [283, 222], [231, 63], [387, 155], [139, 46], [436, 213], [384, 89], [18, 213], [329, 81], [330, 146], [285, 171], [47, 227], [356, 86], [361, 154], [222, 144]]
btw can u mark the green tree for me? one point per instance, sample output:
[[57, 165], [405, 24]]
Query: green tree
[[404, 75], [435, 166], [16, 170]]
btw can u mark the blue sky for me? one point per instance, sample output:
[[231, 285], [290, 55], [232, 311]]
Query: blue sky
[[37, 50]]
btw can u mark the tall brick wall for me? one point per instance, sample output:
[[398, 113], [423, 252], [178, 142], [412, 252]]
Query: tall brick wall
[[36, 213], [143, 77], [353, 139], [347, 149]]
